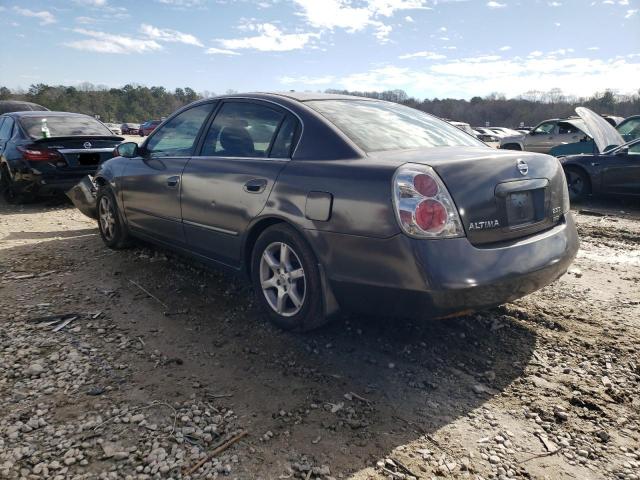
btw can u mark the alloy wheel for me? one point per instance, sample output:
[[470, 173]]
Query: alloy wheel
[[282, 279], [575, 184], [107, 218]]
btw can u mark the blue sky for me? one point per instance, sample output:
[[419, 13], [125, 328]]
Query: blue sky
[[429, 48]]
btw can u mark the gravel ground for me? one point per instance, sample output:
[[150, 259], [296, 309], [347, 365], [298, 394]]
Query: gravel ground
[[163, 361]]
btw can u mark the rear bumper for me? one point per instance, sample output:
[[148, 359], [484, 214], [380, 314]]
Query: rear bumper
[[405, 277], [49, 183]]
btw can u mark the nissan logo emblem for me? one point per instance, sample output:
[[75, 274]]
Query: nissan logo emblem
[[523, 168], [87, 145]]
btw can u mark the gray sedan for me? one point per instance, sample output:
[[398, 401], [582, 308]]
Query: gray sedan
[[330, 202]]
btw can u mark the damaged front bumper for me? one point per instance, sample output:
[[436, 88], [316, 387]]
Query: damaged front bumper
[[83, 196]]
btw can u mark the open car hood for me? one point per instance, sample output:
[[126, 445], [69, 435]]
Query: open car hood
[[603, 134]]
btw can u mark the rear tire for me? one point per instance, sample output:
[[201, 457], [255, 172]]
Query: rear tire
[[10, 193], [112, 228], [578, 184], [286, 279], [511, 146]]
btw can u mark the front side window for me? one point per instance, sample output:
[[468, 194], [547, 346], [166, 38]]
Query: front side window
[[242, 129], [377, 126], [545, 128], [635, 149], [177, 137], [64, 126]]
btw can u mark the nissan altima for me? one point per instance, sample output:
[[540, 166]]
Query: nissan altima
[[330, 202]]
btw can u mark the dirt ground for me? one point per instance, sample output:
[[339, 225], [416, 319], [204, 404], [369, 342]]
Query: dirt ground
[[165, 360]]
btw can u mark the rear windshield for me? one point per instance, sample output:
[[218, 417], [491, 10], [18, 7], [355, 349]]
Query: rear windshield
[[64, 126], [376, 126]]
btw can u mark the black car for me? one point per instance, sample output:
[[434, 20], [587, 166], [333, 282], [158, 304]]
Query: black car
[[7, 106], [331, 201], [611, 168], [42, 153], [614, 172]]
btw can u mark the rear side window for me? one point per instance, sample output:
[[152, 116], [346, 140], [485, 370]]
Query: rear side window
[[283, 143], [566, 129], [376, 126], [242, 129], [545, 128], [5, 128], [177, 137], [64, 125]]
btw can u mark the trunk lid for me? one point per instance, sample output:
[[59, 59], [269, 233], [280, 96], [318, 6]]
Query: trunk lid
[[500, 194], [81, 153]]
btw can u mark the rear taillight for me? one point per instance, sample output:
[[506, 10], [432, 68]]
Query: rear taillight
[[423, 205], [35, 154]]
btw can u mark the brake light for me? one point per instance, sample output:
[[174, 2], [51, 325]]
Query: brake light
[[35, 154], [424, 208]]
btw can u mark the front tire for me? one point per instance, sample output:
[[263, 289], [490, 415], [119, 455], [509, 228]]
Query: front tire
[[112, 228], [286, 279], [578, 184]]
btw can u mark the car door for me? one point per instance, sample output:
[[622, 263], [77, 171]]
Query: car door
[[151, 182], [227, 184], [541, 139], [621, 173]]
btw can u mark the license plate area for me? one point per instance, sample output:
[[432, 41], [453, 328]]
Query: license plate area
[[520, 208], [89, 159]]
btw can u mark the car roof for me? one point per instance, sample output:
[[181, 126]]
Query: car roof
[[297, 96], [48, 113]]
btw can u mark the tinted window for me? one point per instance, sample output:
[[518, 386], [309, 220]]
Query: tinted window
[[64, 125], [242, 130], [178, 136], [284, 140], [375, 126], [566, 129], [545, 128], [635, 149], [630, 128], [5, 128]]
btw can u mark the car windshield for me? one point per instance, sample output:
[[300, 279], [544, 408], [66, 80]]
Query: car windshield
[[64, 126], [376, 126]]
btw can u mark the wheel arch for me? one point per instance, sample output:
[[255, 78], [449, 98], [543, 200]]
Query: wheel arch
[[576, 166], [254, 231]]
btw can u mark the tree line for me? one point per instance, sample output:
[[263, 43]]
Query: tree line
[[528, 109], [136, 103]]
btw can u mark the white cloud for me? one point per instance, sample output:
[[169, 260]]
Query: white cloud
[[536, 53], [304, 80], [506, 48], [44, 16], [580, 76], [408, 19], [554, 4], [183, 3], [332, 14], [168, 35], [424, 54], [631, 13], [102, 42], [269, 39], [85, 20], [219, 51], [91, 3], [494, 4]]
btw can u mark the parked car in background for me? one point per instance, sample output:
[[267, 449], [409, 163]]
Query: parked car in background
[[613, 120], [7, 106], [546, 135], [115, 128], [628, 130], [614, 169], [130, 128], [332, 201], [465, 127], [503, 131], [42, 153], [491, 140], [147, 127]]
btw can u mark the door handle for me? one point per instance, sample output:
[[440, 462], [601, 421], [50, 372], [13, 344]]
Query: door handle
[[172, 182], [256, 185]]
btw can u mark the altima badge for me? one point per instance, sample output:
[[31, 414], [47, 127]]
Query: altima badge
[[87, 145], [523, 168]]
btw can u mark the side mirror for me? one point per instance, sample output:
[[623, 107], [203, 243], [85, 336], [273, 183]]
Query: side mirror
[[622, 152], [127, 150]]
